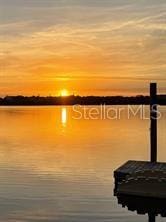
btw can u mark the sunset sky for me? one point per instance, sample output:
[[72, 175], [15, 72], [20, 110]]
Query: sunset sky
[[99, 47]]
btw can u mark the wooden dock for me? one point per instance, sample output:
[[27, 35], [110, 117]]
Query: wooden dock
[[141, 178], [144, 178], [141, 185]]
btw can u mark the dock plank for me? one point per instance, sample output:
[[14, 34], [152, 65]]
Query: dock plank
[[130, 168]]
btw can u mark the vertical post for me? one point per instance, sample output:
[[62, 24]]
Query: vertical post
[[153, 118], [152, 218]]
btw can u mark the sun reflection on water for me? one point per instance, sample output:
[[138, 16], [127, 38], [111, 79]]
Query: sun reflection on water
[[64, 116]]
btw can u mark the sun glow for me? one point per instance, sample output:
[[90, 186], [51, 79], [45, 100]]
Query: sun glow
[[64, 92]]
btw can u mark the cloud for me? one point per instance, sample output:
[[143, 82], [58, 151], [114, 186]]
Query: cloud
[[99, 39]]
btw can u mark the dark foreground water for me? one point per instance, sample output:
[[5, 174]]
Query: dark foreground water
[[57, 168]]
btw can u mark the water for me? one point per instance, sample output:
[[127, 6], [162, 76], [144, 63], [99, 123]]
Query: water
[[56, 168]]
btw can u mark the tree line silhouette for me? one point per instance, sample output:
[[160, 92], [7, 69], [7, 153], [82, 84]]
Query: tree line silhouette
[[82, 100]]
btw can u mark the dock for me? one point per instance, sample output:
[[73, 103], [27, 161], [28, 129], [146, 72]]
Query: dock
[[141, 178], [141, 185], [144, 178]]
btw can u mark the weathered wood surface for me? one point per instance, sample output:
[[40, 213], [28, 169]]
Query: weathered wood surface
[[141, 178], [131, 166]]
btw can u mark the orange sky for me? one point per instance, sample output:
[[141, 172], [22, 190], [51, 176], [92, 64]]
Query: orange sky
[[88, 47]]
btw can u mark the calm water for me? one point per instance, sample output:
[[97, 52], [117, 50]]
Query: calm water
[[56, 168]]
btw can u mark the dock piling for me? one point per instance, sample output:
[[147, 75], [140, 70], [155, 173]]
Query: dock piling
[[153, 118]]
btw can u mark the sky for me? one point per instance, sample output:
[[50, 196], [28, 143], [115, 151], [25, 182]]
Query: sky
[[89, 47]]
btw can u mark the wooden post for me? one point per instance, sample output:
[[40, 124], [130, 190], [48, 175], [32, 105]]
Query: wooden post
[[152, 218], [153, 118]]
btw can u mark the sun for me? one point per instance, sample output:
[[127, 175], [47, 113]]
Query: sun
[[64, 92]]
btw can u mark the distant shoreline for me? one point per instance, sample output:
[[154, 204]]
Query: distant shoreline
[[79, 100]]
